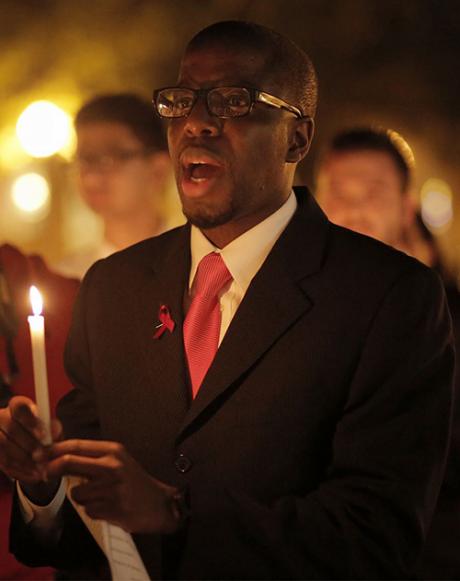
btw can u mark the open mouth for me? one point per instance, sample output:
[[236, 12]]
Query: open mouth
[[200, 171], [199, 166]]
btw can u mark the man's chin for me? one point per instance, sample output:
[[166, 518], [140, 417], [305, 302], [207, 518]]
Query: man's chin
[[204, 217], [205, 222]]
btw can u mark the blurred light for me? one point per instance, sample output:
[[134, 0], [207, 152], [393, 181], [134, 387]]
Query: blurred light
[[436, 200], [43, 129], [31, 193]]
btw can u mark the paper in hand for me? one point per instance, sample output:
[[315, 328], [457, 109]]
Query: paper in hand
[[118, 545]]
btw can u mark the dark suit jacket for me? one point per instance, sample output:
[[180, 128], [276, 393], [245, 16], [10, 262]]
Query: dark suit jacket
[[441, 556], [316, 445]]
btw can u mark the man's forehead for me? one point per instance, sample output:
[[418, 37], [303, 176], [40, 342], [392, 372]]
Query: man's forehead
[[365, 166], [95, 132], [220, 63], [363, 159]]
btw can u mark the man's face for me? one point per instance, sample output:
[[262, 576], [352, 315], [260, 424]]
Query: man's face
[[231, 173], [114, 170], [362, 190]]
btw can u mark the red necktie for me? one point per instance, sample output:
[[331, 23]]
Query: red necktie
[[202, 323]]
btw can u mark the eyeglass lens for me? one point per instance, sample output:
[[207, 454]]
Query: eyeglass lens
[[221, 101]]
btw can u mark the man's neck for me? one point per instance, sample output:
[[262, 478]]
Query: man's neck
[[222, 235]]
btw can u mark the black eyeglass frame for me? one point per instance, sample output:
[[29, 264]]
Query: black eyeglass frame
[[256, 96]]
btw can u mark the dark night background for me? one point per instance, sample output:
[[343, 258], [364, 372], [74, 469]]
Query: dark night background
[[389, 63]]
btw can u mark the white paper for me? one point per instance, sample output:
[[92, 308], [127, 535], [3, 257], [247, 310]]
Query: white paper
[[125, 561], [118, 545]]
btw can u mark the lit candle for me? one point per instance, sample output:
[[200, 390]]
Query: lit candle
[[37, 336]]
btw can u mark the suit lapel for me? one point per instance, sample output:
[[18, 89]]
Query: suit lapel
[[274, 301], [164, 284]]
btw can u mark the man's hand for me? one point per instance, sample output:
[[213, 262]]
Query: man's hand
[[21, 448], [114, 486], [20, 435]]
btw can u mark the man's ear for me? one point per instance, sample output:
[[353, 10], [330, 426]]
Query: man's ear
[[301, 138]]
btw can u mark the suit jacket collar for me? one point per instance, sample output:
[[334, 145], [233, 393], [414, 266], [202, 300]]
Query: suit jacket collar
[[275, 299]]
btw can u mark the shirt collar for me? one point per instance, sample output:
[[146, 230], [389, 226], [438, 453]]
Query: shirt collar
[[246, 254]]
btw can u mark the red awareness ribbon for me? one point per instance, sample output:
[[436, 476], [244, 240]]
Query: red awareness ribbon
[[166, 322]]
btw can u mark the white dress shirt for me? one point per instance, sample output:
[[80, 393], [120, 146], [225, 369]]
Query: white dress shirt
[[243, 257]]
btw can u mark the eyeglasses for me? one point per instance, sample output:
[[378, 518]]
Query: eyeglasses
[[223, 102], [108, 161]]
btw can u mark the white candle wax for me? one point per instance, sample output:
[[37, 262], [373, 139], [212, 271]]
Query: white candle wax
[[37, 337]]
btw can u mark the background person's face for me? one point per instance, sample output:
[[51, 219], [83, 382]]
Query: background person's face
[[125, 187], [230, 173], [362, 190]]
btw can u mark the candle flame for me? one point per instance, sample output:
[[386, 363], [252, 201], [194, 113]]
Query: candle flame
[[36, 300]]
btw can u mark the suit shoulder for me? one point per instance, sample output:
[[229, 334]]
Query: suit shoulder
[[367, 263], [144, 253], [370, 253]]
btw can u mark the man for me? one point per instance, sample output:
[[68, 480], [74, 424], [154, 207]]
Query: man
[[123, 170], [364, 183], [312, 444], [17, 273]]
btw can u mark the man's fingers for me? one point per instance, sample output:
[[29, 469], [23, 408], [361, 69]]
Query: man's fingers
[[22, 406], [24, 412], [87, 448], [18, 436], [94, 491], [16, 448], [17, 471], [99, 510], [103, 469], [32, 477], [15, 462], [56, 430]]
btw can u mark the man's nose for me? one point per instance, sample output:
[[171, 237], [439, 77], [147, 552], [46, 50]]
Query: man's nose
[[200, 123], [91, 174]]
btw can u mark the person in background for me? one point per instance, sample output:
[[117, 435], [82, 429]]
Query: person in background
[[363, 183], [17, 273], [259, 394], [123, 171]]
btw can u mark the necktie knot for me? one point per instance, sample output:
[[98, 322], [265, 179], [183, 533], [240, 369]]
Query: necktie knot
[[211, 275]]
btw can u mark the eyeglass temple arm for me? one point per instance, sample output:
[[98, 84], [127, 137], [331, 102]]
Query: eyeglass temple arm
[[278, 103]]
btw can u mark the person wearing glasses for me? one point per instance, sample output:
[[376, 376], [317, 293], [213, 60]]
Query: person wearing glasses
[[123, 172], [259, 394]]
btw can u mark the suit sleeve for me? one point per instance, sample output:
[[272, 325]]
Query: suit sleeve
[[78, 409], [369, 517]]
